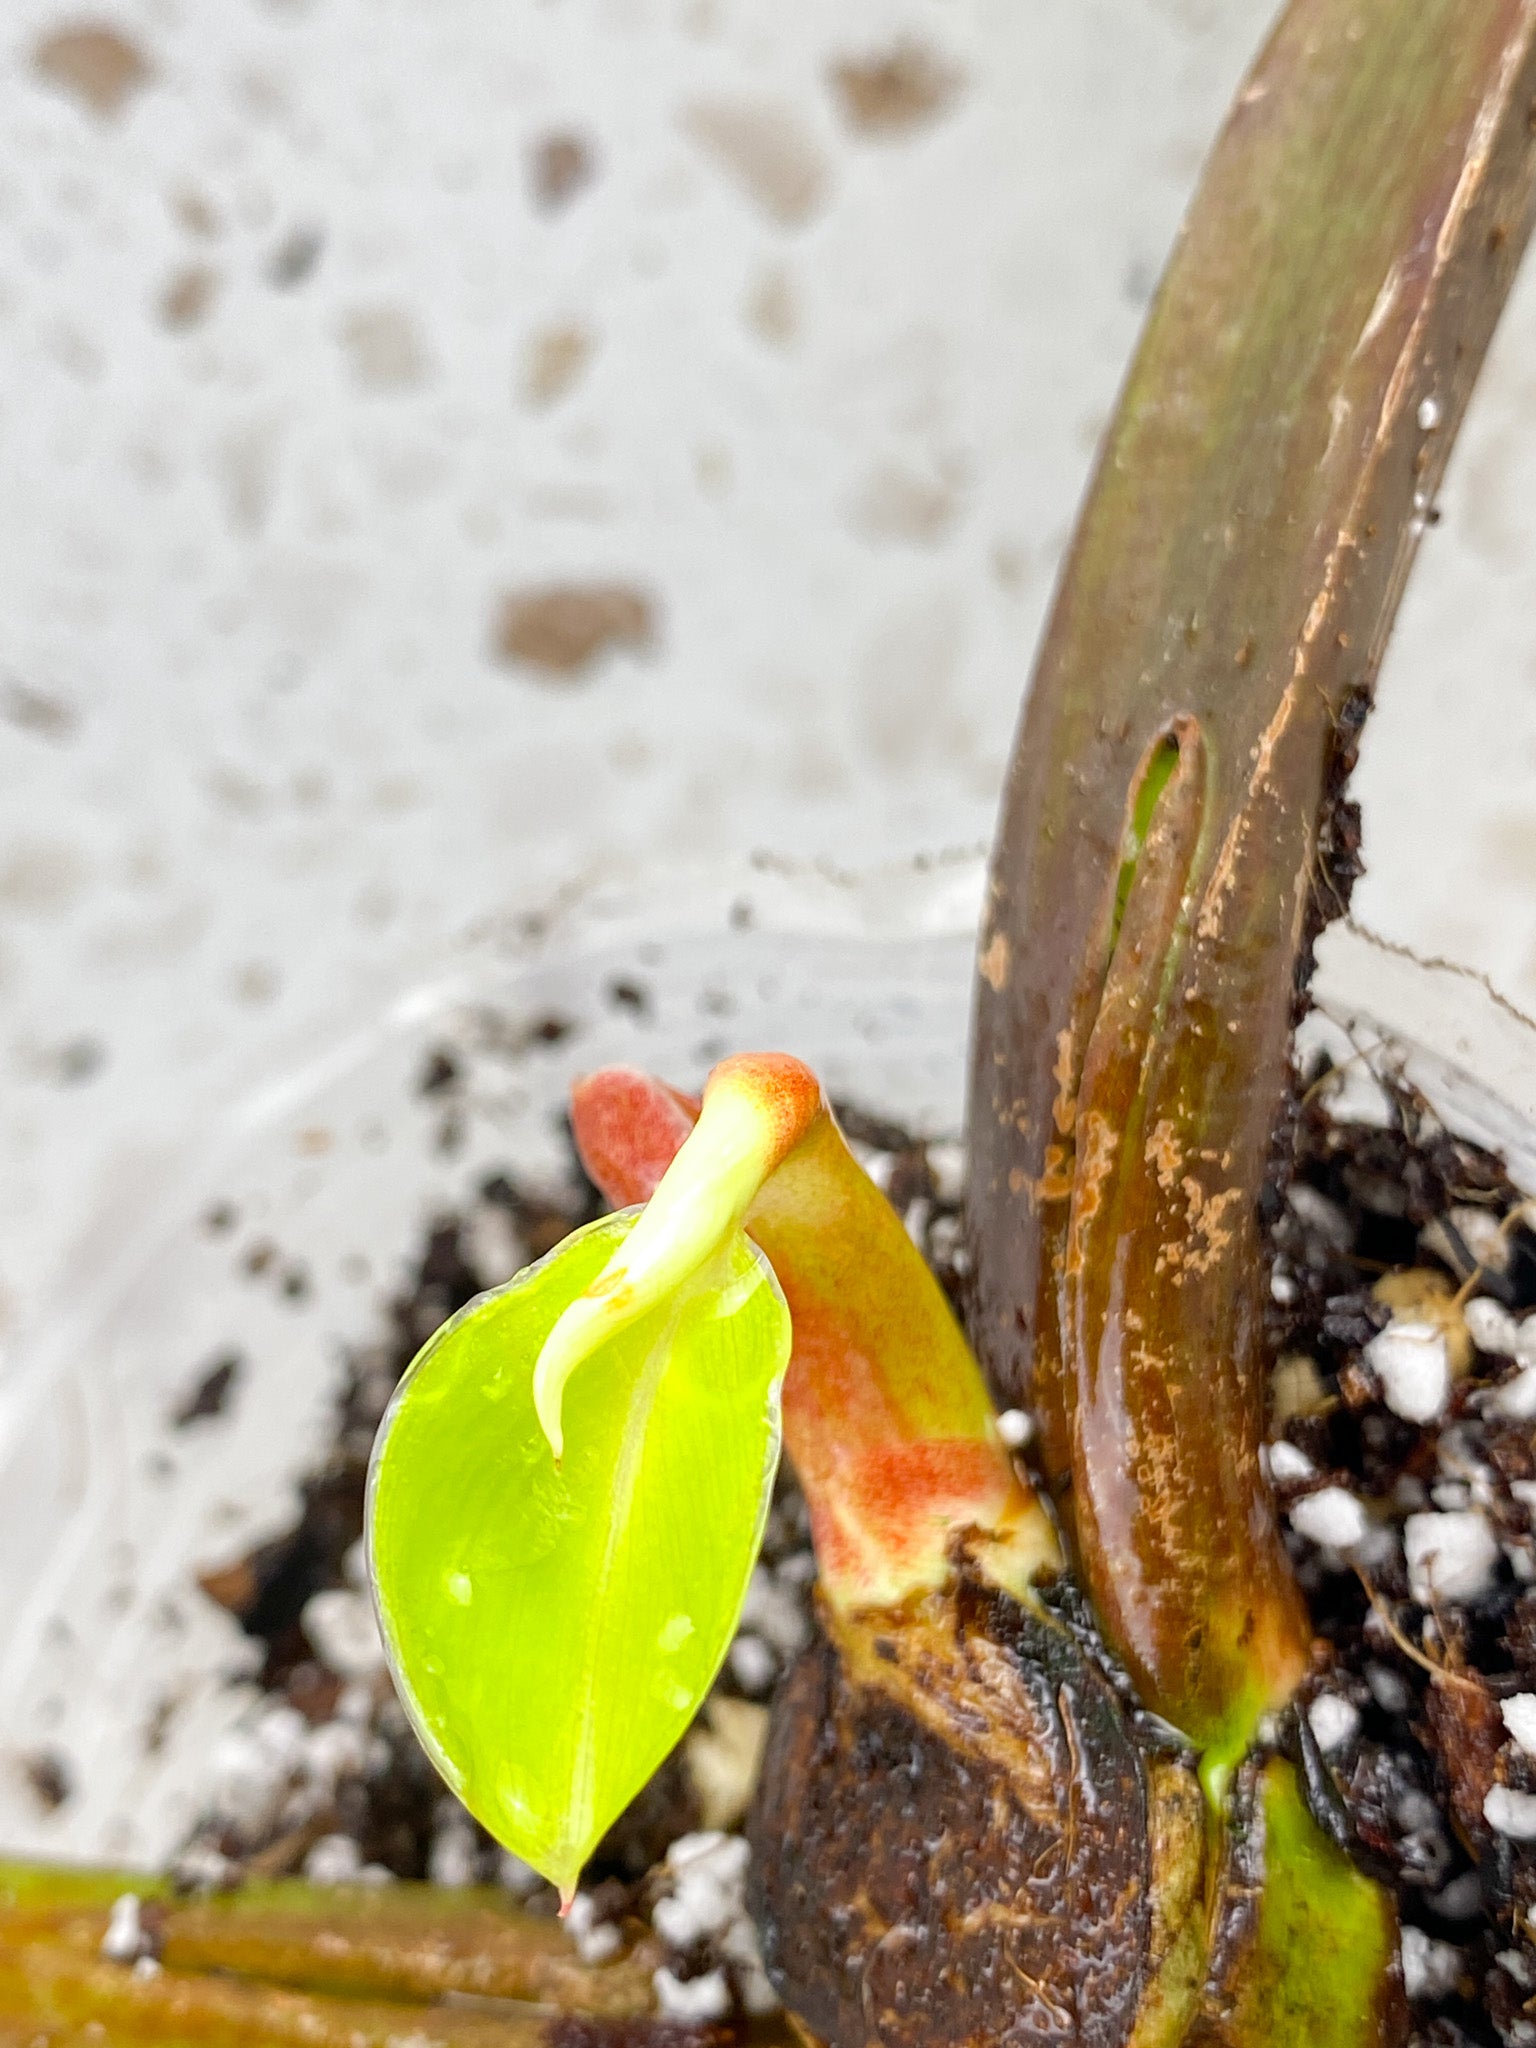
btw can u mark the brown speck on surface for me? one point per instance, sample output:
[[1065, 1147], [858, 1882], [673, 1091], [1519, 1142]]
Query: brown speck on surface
[[554, 362], [294, 258], [41, 877], [562, 629], [48, 1775], [771, 310], [195, 212], [34, 711], [188, 298], [255, 982], [234, 1587], [440, 1072], [902, 503], [94, 63], [157, 1727], [211, 1395], [892, 93], [1010, 564], [633, 996], [76, 1060], [245, 467], [995, 963], [715, 469], [767, 151], [559, 166], [385, 348]]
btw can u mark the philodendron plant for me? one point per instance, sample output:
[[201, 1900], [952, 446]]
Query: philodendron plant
[[1040, 1778], [966, 1831], [571, 1484], [1026, 1785]]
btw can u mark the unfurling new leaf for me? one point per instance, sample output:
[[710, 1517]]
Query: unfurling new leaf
[[569, 1490], [553, 1629]]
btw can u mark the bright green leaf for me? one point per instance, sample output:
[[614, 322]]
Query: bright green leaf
[[553, 1629]]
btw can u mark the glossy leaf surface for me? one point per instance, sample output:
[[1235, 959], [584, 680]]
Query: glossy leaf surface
[[553, 1629]]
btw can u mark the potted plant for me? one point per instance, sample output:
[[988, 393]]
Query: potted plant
[[1174, 836]]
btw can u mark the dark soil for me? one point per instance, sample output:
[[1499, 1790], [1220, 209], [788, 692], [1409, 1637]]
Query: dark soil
[[1406, 1700]]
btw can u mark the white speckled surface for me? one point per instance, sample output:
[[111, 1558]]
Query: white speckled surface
[[302, 383], [830, 401]]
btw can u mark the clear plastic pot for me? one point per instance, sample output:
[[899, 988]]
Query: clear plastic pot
[[280, 1233]]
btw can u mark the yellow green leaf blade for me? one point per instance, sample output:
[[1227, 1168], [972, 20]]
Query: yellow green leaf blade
[[553, 1629]]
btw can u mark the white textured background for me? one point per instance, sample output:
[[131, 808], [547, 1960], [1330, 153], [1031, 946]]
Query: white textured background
[[281, 432]]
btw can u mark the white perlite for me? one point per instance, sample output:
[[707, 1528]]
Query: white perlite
[[1388, 1690], [334, 1859], [1015, 1428], [1315, 1210], [1461, 1899], [775, 1613], [1491, 1327], [709, 1877], [1289, 1462], [1520, 1719], [453, 1860], [698, 1999], [1517, 1397], [752, 1664], [1511, 1813], [252, 1769], [597, 1941], [1414, 1367], [1331, 1517], [201, 1868], [708, 1874], [337, 1859], [1333, 1721], [337, 1750], [123, 1941], [946, 1162], [1450, 1557], [1430, 1968], [279, 1770], [1482, 1234], [1356, 1096], [343, 1634]]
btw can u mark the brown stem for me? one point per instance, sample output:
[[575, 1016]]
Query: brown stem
[[1234, 575], [97, 2000], [281, 1962]]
